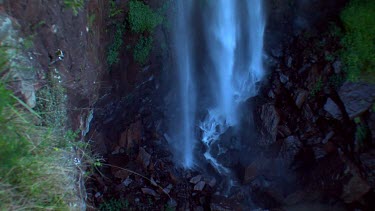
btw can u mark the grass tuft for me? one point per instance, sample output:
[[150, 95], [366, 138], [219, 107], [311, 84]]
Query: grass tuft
[[38, 154]]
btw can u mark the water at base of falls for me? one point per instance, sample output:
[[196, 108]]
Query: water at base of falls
[[218, 49]]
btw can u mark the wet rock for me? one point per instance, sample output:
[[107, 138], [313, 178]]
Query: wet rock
[[98, 194], [143, 158], [271, 94], [219, 203], [333, 109], [289, 62], [319, 152], [212, 182], [355, 189], [250, 173], [131, 137], [357, 98], [199, 186], [199, 208], [168, 189], [196, 179], [301, 96], [270, 120], [172, 203], [283, 78], [295, 197], [312, 141], [127, 181], [149, 191], [328, 137], [283, 131], [277, 52], [308, 113], [123, 140], [153, 182], [266, 197], [289, 149]]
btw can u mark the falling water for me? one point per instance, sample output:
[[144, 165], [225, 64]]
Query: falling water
[[221, 74], [185, 135]]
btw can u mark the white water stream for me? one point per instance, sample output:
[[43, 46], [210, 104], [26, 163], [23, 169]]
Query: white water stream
[[233, 51]]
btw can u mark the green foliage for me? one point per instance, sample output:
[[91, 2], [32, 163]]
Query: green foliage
[[51, 105], [37, 171], [336, 81], [115, 47], [142, 49], [90, 20], [142, 18], [28, 42], [316, 88], [75, 5], [113, 10], [361, 134], [114, 205], [359, 40], [329, 57]]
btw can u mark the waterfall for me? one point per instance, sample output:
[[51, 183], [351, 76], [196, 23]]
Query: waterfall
[[218, 47]]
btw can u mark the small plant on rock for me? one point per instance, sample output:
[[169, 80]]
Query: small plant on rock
[[115, 47], [142, 49], [113, 10], [142, 18], [114, 205], [75, 5]]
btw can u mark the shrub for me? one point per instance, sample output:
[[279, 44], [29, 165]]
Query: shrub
[[142, 18], [142, 49], [75, 5], [318, 86], [115, 47], [114, 205], [359, 40], [113, 10]]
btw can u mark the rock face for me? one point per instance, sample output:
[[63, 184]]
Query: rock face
[[357, 97], [290, 149], [21, 67], [300, 98], [333, 109], [144, 157], [355, 189], [132, 136], [270, 120]]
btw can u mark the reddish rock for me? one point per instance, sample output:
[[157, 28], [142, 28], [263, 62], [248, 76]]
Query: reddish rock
[[132, 135], [149, 191], [250, 173], [121, 174], [300, 97], [290, 148], [143, 158], [355, 189], [329, 147], [270, 120]]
